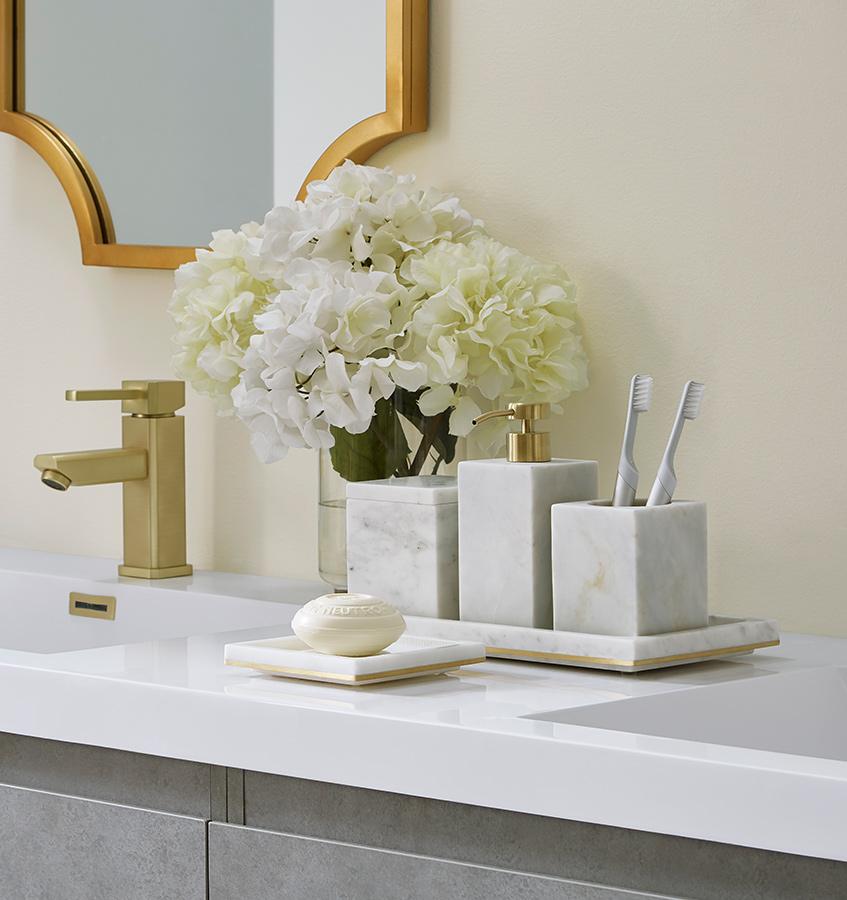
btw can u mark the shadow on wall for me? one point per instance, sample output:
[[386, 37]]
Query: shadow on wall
[[265, 520], [616, 312]]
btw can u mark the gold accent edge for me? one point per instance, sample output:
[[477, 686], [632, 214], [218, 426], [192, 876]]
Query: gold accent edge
[[627, 663], [355, 679], [406, 92], [406, 111]]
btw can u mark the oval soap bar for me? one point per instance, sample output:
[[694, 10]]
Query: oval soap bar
[[348, 624]]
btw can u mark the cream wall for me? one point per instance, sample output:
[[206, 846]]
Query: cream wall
[[685, 161]]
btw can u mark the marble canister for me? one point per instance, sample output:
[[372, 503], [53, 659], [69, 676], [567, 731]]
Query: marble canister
[[629, 570], [504, 535], [402, 543]]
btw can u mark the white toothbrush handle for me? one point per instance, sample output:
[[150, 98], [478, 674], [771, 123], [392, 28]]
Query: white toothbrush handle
[[624, 492], [626, 482], [660, 494], [689, 408], [665, 484]]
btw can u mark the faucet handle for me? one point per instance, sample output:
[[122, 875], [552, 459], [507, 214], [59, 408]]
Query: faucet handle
[[105, 395], [140, 398]]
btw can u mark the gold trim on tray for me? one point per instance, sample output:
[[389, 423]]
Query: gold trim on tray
[[626, 663], [354, 679], [406, 107]]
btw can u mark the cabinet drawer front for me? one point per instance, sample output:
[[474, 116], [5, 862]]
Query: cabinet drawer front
[[251, 864], [100, 773], [54, 847]]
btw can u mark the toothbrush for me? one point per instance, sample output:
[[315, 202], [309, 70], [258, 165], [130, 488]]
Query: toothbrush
[[689, 408], [640, 395]]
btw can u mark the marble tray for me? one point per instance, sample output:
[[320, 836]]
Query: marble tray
[[408, 657], [721, 637]]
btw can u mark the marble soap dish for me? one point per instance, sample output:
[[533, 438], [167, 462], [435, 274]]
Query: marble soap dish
[[408, 657], [722, 637]]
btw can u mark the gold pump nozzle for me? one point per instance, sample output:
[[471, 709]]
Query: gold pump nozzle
[[526, 445]]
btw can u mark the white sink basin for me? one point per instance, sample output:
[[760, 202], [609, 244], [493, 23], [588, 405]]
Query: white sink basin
[[802, 713], [35, 617]]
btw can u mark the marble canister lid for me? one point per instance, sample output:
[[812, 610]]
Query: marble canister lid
[[425, 490]]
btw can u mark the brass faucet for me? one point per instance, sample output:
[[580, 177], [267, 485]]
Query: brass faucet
[[151, 466]]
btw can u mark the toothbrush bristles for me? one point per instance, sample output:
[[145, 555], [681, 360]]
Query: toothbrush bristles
[[642, 392], [693, 399]]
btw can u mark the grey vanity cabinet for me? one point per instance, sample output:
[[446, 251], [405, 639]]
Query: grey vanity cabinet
[[89, 823], [56, 847], [253, 864]]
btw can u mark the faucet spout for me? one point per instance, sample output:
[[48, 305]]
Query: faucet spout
[[150, 464], [63, 470]]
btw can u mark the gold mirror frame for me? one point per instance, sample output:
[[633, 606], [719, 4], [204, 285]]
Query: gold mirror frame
[[406, 102]]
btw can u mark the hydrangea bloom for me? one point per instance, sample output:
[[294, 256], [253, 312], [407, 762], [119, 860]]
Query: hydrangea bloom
[[370, 217], [321, 356], [371, 286], [214, 305], [491, 323], [329, 334]]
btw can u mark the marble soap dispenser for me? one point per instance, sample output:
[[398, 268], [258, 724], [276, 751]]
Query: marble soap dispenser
[[505, 570]]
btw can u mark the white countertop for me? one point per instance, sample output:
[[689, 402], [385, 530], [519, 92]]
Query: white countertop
[[458, 737]]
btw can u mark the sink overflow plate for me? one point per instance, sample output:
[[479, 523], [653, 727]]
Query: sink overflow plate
[[92, 605]]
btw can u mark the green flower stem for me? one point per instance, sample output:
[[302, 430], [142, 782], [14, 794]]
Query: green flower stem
[[438, 460], [383, 450], [433, 426]]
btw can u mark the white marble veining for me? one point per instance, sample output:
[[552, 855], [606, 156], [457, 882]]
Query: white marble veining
[[426, 490], [627, 570], [504, 535], [405, 658], [601, 651], [160, 686], [402, 543]]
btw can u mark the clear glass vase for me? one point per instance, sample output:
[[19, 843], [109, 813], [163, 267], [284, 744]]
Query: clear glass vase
[[400, 442], [332, 524]]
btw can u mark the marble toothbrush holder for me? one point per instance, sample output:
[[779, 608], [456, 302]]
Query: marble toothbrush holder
[[629, 570]]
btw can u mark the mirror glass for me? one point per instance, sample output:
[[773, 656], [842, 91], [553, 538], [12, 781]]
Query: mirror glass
[[196, 115]]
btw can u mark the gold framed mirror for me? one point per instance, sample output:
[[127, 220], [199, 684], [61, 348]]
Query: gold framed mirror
[[39, 52]]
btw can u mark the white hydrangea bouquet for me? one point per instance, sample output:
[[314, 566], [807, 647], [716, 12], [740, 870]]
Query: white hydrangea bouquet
[[372, 316]]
